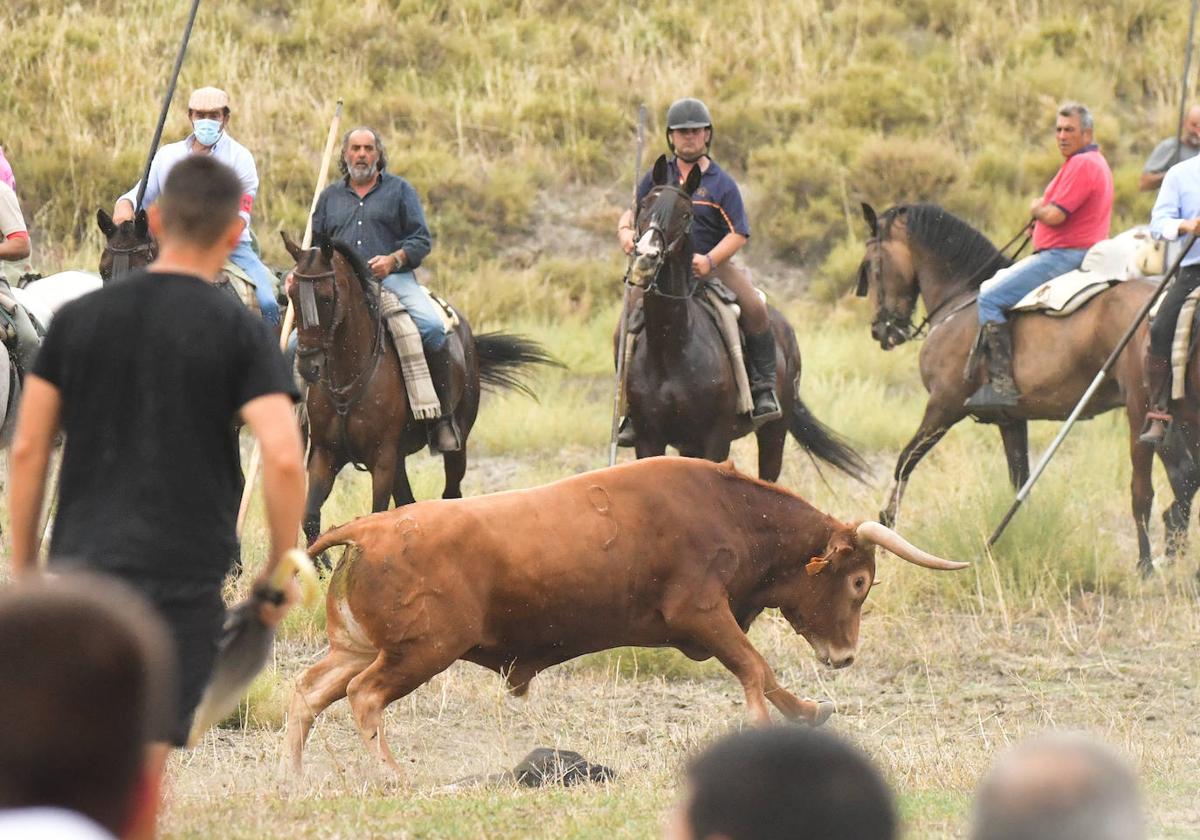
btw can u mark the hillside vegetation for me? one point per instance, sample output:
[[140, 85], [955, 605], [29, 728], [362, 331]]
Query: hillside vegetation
[[515, 117]]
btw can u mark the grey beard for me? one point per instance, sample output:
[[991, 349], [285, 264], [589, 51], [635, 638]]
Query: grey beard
[[361, 173]]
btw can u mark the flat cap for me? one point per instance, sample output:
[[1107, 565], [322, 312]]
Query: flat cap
[[208, 99]]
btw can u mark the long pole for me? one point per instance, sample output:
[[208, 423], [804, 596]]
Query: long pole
[[619, 387], [166, 105], [1087, 395], [290, 315], [1183, 86]]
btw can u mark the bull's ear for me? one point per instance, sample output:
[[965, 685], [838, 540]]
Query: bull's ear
[[871, 219]]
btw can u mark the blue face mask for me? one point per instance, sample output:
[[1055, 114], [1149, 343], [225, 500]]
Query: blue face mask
[[207, 131]]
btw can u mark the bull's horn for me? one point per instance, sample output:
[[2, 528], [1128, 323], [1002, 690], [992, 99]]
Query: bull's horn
[[883, 536]]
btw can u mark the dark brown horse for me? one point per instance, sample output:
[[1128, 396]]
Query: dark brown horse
[[682, 390], [358, 410], [924, 251]]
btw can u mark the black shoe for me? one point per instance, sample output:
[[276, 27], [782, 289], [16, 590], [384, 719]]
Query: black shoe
[[1000, 391], [1158, 387], [760, 365], [443, 432]]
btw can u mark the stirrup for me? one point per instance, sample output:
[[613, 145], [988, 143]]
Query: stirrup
[[626, 436], [766, 407]]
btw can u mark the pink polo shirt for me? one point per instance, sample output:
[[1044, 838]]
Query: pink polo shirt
[[1083, 189]]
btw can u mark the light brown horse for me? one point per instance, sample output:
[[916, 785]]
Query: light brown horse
[[921, 250], [357, 401]]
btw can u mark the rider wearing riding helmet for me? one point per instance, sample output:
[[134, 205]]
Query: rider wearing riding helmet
[[208, 111], [719, 230]]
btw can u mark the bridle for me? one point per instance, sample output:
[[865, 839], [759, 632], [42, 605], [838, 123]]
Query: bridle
[[344, 397], [657, 230], [122, 256]]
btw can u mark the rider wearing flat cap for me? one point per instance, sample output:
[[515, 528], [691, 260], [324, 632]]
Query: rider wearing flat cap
[[208, 111], [719, 230]]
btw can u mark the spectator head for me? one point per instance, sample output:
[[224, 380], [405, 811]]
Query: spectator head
[[86, 674], [1061, 786], [199, 205], [785, 782], [1191, 127]]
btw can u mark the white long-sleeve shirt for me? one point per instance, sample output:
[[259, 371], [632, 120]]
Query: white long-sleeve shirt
[[227, 150]]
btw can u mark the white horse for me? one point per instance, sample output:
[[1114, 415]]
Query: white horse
[[41, 300]]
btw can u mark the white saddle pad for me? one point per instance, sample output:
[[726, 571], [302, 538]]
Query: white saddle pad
[[1107, 262], [44, 297]]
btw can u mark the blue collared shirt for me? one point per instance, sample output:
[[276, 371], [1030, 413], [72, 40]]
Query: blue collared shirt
[[716, 205], [387, 218], [1178, 200]]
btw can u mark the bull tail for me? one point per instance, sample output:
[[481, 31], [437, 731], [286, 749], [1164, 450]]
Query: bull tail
[[504, 358], [341, 535], [822, 442]]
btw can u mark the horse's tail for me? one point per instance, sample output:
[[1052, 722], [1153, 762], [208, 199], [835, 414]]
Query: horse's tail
[[503, 358], [823, 442]]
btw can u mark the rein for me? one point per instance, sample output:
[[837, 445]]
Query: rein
[[669, 248], [121, 257]]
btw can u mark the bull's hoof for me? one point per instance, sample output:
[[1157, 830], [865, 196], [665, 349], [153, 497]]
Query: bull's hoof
[[825, 709]]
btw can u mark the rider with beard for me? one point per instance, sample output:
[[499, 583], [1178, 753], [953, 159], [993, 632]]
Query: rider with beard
[[719, 230], [208, 112], [380, 215]]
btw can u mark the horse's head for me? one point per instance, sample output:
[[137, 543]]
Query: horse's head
[[888, 268], [664, 224], [315, 294], [128, 246]]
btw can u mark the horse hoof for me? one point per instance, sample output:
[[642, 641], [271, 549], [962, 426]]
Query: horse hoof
[[1146, 569], [323, 563], [886, 518], [825, 709]]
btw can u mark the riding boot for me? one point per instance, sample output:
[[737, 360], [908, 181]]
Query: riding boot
[[1000, 391], [1158, 388], [443, 433], [760, 353], [626, 436]]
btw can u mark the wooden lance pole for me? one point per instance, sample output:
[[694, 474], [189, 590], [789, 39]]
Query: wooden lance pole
[[619, 387], [289, 316]]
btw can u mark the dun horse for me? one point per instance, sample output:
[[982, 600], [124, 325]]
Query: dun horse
[[923, 251], [357, 402], [682, 390]]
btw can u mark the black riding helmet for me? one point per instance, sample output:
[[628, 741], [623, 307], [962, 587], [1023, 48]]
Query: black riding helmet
[[688, 113]]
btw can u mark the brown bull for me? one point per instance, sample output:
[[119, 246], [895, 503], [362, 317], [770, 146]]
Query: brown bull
[[664, 552]]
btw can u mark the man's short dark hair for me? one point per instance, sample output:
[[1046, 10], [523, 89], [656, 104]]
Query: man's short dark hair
[[200, 198], [86, 674], [1061, 786], [785, 782]]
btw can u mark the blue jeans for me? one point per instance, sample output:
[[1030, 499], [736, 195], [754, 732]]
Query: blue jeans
[[1023, 278], [243, 257], [423, 311]]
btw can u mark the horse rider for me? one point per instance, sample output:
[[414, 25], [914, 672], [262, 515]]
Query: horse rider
[[1072, 215], [1171, 151], [14, 247], [1176, 212], [380, 215], [719, 230], [208, 112]]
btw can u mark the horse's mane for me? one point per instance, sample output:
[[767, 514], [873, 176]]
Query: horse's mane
[[357, 263], [965, 252]]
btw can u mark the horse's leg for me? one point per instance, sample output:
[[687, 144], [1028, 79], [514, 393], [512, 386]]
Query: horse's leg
[[937, 421], [1184, 475], [1141, 491], [771, 437], [454, 464], [321, 472], [383, 477], [402, 493], [646, 448], [1015, 435]]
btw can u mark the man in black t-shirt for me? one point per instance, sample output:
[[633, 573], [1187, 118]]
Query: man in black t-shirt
[[147, 378]]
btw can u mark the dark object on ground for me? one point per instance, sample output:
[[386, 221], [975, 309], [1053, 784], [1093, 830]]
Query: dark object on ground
[[545, 766]]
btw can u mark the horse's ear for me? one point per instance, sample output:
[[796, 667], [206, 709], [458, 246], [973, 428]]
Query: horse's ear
[[662, 172], [872, 219], [105, 223], [292, 248], [693, 180], [141, 225], [326, 249], [864, 279]]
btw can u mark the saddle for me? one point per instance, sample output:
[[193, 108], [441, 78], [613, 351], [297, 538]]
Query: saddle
[[1106, 263], [234, 281]]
